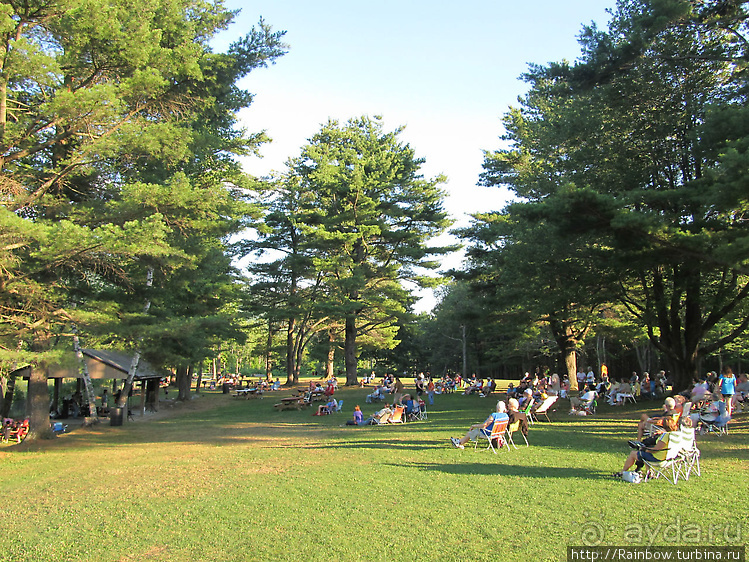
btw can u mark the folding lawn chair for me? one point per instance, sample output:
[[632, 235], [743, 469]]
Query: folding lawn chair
[[497, 433], [397, 415], [669, 468], [542, 409], [422, 413], [512, 428], [527, 410], [689, 454]]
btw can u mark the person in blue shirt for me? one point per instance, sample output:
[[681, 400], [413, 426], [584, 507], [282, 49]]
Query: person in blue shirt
[[727, 387], [473, 432]]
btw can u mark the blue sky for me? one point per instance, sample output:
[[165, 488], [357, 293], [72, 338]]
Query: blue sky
[[447, 71]]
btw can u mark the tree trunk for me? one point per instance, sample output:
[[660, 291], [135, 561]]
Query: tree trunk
[[269, 351], [92, 417], [330, 362], [290, 355], [10, 389], [464, 343], [569, 355], [199, 380], [38, 404], [349, 351], [184, 377], [128, 384]]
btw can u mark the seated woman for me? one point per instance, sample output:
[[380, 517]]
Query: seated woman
[[477, 428], [358, 417], [655, 453], [515, 415], [324, 409]]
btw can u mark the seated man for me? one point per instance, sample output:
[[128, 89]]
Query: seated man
[[476, 429], [654, 453], [412, 405], [624, 389], [516, 415], [488, 388], [742, 391], [380, 416], [584, 399], [526, 398], [327, 408], [378, 394], [655, 422], [475, 387]]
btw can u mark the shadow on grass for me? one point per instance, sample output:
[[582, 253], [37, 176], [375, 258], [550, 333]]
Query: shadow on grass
[[504, 469]]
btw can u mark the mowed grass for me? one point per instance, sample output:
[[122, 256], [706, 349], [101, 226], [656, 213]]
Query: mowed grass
[[227, 479]]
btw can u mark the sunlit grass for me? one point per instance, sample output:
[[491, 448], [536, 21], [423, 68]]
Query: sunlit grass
[[241, 481]]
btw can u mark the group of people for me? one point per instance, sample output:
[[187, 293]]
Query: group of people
[[707, 404], [392, 384], [14, 429], [410, 408], [509, 412]]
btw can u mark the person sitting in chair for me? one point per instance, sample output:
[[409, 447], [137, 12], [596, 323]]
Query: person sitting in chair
[[656, 453], [655, 422], [525, 397], [379, 416], [477, 428], [327, 408], [516, 415], [584, 399]]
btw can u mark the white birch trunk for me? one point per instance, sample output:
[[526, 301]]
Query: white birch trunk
[[127, 387], [92, 417]]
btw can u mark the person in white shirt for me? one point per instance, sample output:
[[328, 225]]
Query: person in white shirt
[[583, 399]]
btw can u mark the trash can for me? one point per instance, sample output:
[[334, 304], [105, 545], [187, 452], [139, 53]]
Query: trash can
[[225, 388], [115, 416]]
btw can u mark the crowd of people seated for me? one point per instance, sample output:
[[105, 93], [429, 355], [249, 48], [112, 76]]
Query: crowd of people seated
[[704, 407], [504, 412], [15, 430]]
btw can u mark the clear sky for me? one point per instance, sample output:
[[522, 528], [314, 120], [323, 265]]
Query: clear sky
[[445, 70]]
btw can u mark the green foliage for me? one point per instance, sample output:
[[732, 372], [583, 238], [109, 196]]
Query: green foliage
[[631, 171], [118, 145], [349, 223]]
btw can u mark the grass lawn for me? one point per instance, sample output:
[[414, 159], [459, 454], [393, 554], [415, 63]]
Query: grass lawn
[[234, 480]]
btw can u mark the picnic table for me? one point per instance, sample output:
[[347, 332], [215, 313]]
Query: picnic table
[[291, 403], [248, 393]]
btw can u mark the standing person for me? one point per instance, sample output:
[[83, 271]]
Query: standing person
[[104, 400], [430, 391], [590, 377], [397, 391], [727, 387], [475, 429], [580, 379]]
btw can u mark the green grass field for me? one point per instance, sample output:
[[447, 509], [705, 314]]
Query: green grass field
[[227, 479]]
